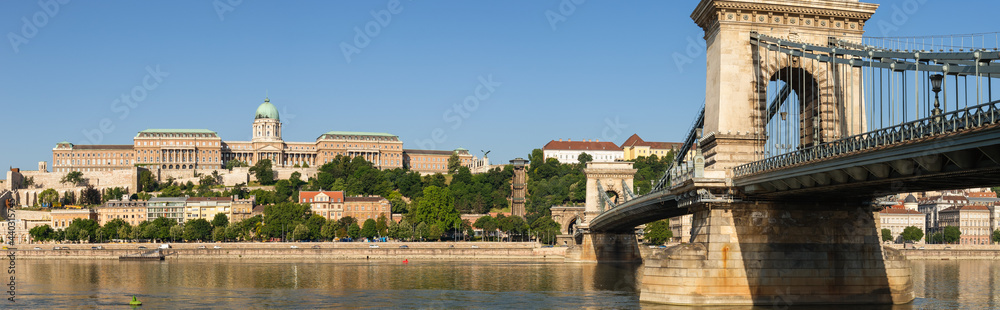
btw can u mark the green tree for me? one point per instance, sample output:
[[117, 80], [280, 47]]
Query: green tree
[[354, 231], [176, 231], [48, 197], [453, 163], [912, 234], [220, 220], [147, 182], [263, 172], [434, 232], [232, 163], [329, 230], [584, 158], [437, 207], [74, 178], [382, 225], [488, 224], [41, 233], [657, 232], [300, 233], [545, 229], [197, 229], [995, 236], [937, 238], [369, 230], [90, 196], [124, 233], [219, 233], [952, 234], [513, 225], [280, 219], [886, 235], [423, 231], [110, 229]]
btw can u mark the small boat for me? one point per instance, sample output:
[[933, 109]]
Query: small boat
[[148, 255]]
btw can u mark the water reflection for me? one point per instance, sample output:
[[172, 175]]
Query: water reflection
[[419, 284]]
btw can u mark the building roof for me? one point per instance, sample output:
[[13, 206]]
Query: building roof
[[168, 199], [267, 110], [635, 140], [966, 208], [177, 131], [899, 211], [427, 152], [103, 147], [364, 198], [585, 145], [197, 199], [359, 133], [303, 195], [910, 199]]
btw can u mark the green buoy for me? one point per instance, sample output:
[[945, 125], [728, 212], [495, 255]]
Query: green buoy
[[135, 301]]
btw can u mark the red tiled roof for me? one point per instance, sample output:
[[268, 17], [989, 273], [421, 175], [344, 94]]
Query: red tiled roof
[[898, 211], [635, 140], [360, 199], [966, 208], [581, 145], [335, 196]]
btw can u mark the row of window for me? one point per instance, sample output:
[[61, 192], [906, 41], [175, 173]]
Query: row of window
[[93, 154], [158, 143]]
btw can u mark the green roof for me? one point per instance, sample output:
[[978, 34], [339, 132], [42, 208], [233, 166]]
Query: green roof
[[266, 110], [359, 133], [177, 131]]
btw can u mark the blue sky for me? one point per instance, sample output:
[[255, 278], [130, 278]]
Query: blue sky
[[603, 70]]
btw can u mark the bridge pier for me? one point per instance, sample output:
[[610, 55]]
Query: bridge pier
[[605, 248], [778, 253]]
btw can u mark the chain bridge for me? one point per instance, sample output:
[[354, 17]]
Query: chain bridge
[[805, 122]]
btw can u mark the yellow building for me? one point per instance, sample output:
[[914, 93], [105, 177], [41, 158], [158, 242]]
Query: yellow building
[[207, 207], [634, 147]]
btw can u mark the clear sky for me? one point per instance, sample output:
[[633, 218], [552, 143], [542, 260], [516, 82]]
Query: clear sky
[[536, 71]]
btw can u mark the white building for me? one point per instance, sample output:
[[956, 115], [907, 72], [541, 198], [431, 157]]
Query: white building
[[897, 219], [568, 151]]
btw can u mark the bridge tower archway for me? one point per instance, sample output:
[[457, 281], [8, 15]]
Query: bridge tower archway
[[736, 116], [606, 179]]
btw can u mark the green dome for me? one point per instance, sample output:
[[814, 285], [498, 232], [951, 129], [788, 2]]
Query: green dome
[[267, 110]]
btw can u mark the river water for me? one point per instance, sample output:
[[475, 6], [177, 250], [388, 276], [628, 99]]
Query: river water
[[247, 284]]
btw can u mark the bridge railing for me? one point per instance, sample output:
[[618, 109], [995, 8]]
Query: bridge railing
[[945, 123]]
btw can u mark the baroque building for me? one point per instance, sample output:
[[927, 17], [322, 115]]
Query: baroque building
[[203, 149]]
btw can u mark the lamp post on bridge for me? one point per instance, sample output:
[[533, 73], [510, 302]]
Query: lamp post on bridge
[[936, 88]]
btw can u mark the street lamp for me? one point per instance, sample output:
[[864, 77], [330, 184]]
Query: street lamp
[[936, 87]]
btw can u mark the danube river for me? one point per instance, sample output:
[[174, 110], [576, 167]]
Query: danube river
[[186, 284]]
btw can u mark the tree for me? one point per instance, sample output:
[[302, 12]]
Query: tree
[[176, 231], [68, 198], [382, 225], [369, 230], [220, 220], [584, 158], [329, 230], [73, 177], [232, 163], [434, 232], [996, 236], [83, 230], [912, 234], [111, 229], [48, 197], [937, 238], [952, 234], [423, 231], [219, 233], [263, 172], [437, 207], [147, 182], [41, 233], [300, 233], [657, 232], [354, 231], [886, 235], [90, 196], [546, 229], [453, 163], [28, 182], [197, 229], [488, 224]]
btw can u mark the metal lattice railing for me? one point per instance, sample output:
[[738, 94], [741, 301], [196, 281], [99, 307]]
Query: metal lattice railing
[[946, 123]]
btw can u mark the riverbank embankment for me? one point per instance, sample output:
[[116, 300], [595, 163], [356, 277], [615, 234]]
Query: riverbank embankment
[[949, 251], [303, 250]]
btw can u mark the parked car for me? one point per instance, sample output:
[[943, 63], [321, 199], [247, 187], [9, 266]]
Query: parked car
[[216, 247], [475, 246], [315, 247], [404, 247], [97, 247], [295, 247], [37, 248], [165, 246], [201, 246], [56, 248], [142, 247], [373, 246]]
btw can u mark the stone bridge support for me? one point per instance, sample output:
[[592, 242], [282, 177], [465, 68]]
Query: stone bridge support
[[778, 253], [605, 248]]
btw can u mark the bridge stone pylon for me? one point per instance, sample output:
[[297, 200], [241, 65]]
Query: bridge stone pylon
[[738, 74], [613, 181]]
